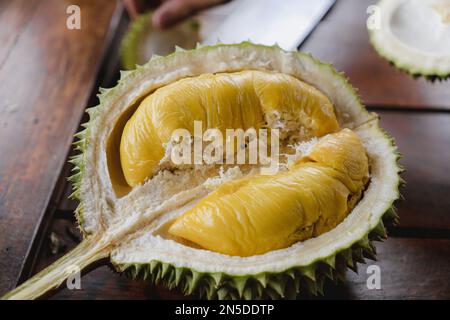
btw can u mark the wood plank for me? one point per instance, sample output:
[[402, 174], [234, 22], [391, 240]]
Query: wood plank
[[423, 139], [47, 76], [342, 39], [14, 22], [410, 269]]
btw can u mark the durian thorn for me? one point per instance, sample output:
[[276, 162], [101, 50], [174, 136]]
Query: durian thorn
[[240, 283], [86, 253], [278, 285]]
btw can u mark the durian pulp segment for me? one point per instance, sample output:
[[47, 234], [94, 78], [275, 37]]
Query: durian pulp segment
[[246, 99], [262, 213]]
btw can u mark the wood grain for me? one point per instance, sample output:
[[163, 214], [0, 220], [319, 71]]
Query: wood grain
[[410, 269], [13, 21], [342, 39], [47, 74], [424, 139]]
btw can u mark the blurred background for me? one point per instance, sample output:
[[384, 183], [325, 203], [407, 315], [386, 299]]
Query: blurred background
[[55, 54]]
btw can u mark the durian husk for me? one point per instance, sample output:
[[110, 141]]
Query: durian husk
[[123, 232], [142, 40], [431, 66]]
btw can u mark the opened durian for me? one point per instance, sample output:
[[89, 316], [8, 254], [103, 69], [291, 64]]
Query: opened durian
[[142, 40], [414, 35], [216, 228]]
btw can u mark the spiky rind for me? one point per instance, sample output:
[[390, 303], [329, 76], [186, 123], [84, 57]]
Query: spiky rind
[[130, 42], [418, 69], [289, 284], [78, 162], [430, 75], [135, 36]]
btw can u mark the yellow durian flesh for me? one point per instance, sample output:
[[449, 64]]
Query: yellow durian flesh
[[224, 101], [262, 213], [345, 153]]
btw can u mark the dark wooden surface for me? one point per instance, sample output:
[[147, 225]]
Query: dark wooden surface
[[47, 73], [424, 139], [414, 261]]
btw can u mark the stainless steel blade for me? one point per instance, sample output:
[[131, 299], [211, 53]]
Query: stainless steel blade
[[285, 22]]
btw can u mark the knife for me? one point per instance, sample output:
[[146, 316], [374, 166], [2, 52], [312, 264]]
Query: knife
[[283, 22]]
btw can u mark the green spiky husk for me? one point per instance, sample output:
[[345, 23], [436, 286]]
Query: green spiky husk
[[416, 70], [78, 162], [432, 76], [129, 44], [135, 35], [286, 284]]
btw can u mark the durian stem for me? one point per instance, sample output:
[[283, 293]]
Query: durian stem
[[87, 252]]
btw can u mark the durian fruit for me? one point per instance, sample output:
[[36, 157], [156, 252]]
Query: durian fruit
[[221, 230], [142, 40], [414, 35]]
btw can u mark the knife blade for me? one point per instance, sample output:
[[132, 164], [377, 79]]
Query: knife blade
[[286, 22]]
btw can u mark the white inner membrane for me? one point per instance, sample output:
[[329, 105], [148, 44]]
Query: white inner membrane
[[423, 25]]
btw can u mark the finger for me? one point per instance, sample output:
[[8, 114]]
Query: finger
[[172, 11]]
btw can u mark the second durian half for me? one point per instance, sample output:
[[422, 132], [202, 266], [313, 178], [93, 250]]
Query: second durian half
[[223, 230], [414, 35]]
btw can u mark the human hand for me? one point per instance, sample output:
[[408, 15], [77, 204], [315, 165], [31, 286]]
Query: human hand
[[169, 12]]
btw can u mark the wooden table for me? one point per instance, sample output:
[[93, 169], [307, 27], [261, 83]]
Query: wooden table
[[47, 77]]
